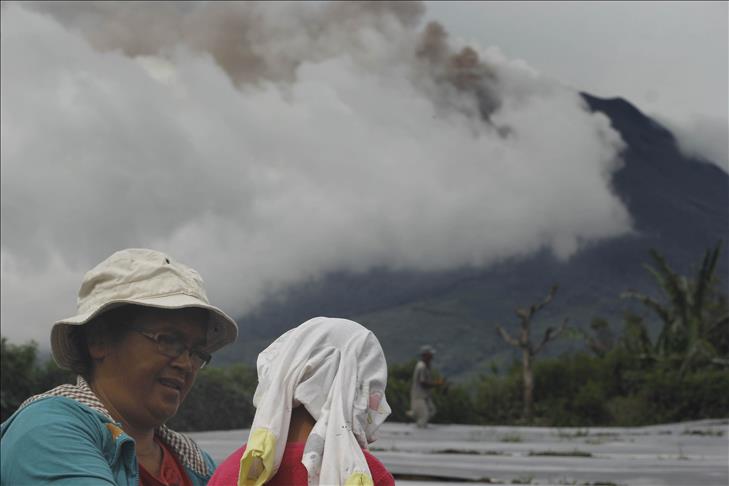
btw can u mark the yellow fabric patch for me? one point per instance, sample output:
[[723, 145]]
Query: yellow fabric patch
[[115, 431], [359, 479], [256, 465]]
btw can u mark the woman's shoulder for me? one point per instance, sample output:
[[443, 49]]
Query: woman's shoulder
[[78, 397], [55, 439], [52, 412], [47, 409]]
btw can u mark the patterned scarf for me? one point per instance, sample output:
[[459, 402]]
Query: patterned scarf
[[186, 450]]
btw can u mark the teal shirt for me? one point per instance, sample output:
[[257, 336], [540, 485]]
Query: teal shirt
[[61, 441]]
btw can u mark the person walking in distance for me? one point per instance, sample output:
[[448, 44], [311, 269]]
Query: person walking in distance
[[422, 408]]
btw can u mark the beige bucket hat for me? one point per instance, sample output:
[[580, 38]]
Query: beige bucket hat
[[142, 277]]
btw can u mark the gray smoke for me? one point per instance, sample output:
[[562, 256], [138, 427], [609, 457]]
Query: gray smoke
[[267, 144], [250, 41]]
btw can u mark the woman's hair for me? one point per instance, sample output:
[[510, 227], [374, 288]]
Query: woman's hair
[[108, 326]]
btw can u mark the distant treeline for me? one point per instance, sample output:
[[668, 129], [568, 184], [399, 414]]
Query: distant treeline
[[620, 379], [618, 388]]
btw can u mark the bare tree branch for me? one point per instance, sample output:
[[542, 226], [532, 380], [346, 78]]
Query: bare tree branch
[[551, 334], [507, 337], [525, 344], [546, 301]]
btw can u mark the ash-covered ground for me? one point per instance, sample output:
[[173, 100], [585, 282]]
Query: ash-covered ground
[[682, 454]]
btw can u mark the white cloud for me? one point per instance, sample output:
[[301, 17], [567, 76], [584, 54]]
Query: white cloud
[[701, 137], [355, 159], [670, 58]]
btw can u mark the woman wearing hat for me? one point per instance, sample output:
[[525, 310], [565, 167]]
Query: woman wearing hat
[[143, 330]]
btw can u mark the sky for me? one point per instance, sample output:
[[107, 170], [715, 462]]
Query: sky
[[670, 59], [267, 144]]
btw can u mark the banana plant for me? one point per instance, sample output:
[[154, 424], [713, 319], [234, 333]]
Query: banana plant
[[692, 312]]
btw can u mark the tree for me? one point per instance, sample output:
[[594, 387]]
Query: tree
[[694, 314], [528, 349], [23, 377], [399, 378], [221, 399], [18, 375], [601, 340], [635, 339]]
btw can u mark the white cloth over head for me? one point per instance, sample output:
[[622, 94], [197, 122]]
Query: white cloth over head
[[337, 370]]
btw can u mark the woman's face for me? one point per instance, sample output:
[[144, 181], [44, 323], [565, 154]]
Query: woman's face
[[142, 385]]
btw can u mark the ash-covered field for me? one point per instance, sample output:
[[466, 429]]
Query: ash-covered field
[[682, 454]]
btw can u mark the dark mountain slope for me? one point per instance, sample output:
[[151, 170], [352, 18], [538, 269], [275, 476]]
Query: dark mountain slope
[[679, 206]]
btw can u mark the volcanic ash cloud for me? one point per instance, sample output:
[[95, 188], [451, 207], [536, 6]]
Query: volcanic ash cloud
[[266, 144]]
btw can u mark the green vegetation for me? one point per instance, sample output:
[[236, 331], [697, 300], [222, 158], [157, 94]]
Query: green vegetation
[[572, 453], [523, 479], [706, 432], [471, 452], [694, 315], [23, 377], [573, 482], [571, 435], [513, 437], [529, 349], [220, 399], [621, 378]]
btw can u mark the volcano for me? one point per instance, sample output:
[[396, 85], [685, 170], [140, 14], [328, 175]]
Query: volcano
[[679, 206]]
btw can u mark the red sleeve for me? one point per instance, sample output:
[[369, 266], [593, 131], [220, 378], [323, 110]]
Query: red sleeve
[[226, 473], [380, 475]]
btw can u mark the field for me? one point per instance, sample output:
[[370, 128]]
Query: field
[[683, 454]]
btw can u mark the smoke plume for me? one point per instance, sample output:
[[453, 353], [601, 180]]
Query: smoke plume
[[266, 144]]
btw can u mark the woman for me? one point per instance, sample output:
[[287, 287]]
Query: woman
[[143, 330], [319, 401]]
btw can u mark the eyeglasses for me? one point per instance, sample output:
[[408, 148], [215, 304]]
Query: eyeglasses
[[172, 346]]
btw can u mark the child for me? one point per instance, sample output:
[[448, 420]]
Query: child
[[319, 401]]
